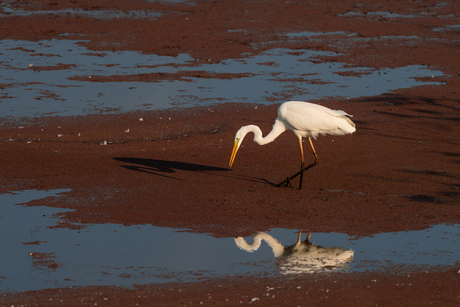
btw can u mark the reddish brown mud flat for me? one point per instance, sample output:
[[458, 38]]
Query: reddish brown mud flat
[[399, 171]]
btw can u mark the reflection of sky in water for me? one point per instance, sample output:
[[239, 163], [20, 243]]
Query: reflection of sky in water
[[275, 76], [447, 28], [107, 14], [8, 8], [386, 14], [113, 254]]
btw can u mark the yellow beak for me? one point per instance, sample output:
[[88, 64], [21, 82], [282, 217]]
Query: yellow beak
[[235, 149]]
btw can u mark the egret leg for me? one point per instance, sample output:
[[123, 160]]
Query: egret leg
[[287, 182], [314, 151], [298, 238], [302, 164], [306, 240]]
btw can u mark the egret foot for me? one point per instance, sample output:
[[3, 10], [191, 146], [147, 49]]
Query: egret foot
[[285, 183], [303, 168]]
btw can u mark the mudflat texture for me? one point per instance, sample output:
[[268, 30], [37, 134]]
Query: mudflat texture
[[399, 171]]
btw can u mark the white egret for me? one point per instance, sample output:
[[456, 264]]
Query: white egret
[[305, 119], [302, 257]]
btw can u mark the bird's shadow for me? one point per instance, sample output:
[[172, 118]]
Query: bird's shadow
[[164, 167]]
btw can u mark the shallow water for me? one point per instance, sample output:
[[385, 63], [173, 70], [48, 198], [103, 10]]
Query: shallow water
[[447, 28], [383, 14], [271, 77], [101, 14], [10, 8], [39, 257]]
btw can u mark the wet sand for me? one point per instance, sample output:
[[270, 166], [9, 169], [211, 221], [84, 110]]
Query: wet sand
[[399, 170]]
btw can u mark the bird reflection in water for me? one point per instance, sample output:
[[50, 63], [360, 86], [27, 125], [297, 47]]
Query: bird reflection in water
[[302, 257]]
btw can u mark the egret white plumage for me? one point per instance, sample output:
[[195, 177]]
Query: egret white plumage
[[302, 257], [304, 119]]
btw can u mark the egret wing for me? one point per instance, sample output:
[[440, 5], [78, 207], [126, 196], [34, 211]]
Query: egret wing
[[311, 119]]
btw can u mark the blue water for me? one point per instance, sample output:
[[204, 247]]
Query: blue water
[[112, 254], [274, 76], [11, 8]]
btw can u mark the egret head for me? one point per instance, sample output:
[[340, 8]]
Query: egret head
[[236, 145], [240, 134]]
